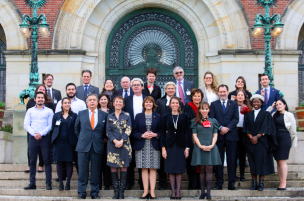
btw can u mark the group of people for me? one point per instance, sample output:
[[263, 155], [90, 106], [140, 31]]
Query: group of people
[[187, 130]]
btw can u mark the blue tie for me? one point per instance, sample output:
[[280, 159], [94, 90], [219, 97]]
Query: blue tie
[[85, 90], [224, 108], [126, 93]]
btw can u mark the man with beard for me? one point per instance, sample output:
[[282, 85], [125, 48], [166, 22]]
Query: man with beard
[[54, 94], [38, 123], [76, 104]]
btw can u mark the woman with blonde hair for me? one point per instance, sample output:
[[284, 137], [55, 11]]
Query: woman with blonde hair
[[210, 88]]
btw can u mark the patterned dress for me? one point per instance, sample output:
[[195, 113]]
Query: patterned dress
[[148, 157], [119, 129]]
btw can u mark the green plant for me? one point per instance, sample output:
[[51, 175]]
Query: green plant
[[7, 128], [298, 129], [302, 104], [2, 104]]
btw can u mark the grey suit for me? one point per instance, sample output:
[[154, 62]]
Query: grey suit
[[91, 90], [56, 96], [90, 148], [188, 85]]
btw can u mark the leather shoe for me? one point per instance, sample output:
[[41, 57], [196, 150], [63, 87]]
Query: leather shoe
[[232, 188], [217, 187], [145, 197], [61, 187], [208, 197], [106, 188], [281, 189], [202, 196], [48, 186], [30, 187], [172, 198], [128, 187], [81, 197], [95, 197], [237, 178], [67, 187], [242, 178]]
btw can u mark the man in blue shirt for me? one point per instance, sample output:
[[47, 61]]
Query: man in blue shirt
[[38, 123]]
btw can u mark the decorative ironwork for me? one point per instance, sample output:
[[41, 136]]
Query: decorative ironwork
[[2, 57], [2, 72], [35, 3], [151, 43], [158, 17], [300, 73]]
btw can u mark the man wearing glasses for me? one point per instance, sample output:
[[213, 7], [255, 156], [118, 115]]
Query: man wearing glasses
[[183, 87]]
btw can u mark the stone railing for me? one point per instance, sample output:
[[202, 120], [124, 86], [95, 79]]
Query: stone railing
[[6, 147]]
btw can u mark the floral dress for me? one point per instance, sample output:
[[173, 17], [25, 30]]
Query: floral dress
[[119, 129]]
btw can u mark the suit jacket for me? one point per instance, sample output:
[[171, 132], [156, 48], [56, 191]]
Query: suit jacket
[[121, 92], [188, 85], [273, 96], [71, 125], [162, 108], [230, 119], [56, 94], [156, 93], [180, 136], [140, 128], [234, 94], [129, 106], [91, 90], [87, 136]]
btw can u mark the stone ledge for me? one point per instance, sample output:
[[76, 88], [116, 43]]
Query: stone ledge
[[258, 52], [45, 52], [6, 136]]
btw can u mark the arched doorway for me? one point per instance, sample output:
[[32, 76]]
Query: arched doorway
[[151, 37]]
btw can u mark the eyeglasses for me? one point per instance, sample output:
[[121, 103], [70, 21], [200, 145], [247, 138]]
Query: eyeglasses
[[208, 78], [181, 72], [136, 85]]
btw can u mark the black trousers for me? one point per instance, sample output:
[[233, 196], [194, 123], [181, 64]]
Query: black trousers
[[161, 173], [105, 171], [241, 151], [44, 146], [84, 159], [231, 150], [130, 172], [40, 163]]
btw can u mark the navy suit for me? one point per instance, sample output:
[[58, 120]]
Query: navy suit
[[121, 92], [228, 119], [273, 96], [140, 128], [90, 148], [188, 85]]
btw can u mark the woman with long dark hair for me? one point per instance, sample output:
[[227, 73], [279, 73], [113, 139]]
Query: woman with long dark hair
[[239, 86], [109, 88], [64, 141], [205, 152], [286, 132]]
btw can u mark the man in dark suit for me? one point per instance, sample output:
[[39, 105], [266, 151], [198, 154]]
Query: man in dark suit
[[150, 88], [126, 89], [54, 94], [226, 112], [90, 128], [183, 87], [133, 105], [86, 88], [270, 94]]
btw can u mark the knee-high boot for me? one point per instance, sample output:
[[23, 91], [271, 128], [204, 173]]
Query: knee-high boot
[[123, 181], [115, 184]]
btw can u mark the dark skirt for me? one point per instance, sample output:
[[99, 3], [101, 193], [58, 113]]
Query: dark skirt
[[283, 146], [63, 152], [176, 161]]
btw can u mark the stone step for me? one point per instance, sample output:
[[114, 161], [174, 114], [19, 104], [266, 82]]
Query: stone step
[[226, 194], [184, 185]]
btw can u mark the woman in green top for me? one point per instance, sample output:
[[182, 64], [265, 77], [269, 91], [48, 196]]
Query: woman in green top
[[205, 152]]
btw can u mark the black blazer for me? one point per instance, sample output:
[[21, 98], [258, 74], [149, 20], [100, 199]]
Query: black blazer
[[230, 119], [234, 94], [129, 106], [121, 92], [87, 136], [180, 136], [156, 93], [32, 103], [140, 128], [71, 131], [56, 94], [188, 85], [162, 108]]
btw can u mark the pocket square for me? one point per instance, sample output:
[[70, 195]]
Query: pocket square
[[104, 121]]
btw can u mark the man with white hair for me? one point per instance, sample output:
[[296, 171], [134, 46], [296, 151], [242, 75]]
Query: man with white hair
[[126, 89], [183, 87], [133, 105]]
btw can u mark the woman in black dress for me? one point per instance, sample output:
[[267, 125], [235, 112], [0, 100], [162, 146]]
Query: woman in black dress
[[104, 104], [31, 103], [109, 88], [175, 142], [260, 141], [64, 141], [286, 136]]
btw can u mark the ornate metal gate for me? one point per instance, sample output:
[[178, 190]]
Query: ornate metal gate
[[151, 38], [2, 72]]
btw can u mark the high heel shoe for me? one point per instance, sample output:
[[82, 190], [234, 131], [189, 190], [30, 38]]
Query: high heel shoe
[[145, 197], [152, 198], [67, 187], [61, 187], [202, 196], [208, 197]]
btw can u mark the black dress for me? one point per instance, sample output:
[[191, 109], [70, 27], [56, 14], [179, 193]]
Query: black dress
[[283, 139], [63, 151]]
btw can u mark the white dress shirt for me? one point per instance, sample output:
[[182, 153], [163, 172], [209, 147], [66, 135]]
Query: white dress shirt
[[84, 86], [168, 100], [95, 116], [241, 119], [38, 121], [211, 96], [77, 105], [137, 104], [256, 112], [124, 91], [224, 103]]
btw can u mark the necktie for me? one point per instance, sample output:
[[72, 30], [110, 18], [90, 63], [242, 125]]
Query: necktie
[[224, 108], [49, 93], [266, 97], [126, 93], [85, 90], [181, 93], [92, 120]]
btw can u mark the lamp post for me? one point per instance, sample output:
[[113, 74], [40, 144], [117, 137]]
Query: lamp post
[[263, 24], [29, 27]]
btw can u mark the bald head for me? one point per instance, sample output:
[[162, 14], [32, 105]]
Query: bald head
[[125, 83]]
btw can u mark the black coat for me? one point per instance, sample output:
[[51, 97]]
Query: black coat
[[56, 94], [234, 94], [180, 136], [156, 93], [32, 103], [230, 119], [71, 131], [140, 128], [162, 108], [129, 106]]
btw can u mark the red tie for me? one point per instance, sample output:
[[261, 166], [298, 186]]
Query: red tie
[[181, 93], [92, 120]]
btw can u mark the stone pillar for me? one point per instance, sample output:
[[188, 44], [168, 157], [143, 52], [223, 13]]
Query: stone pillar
[[6, 147], [296, 154], [19, 135]]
